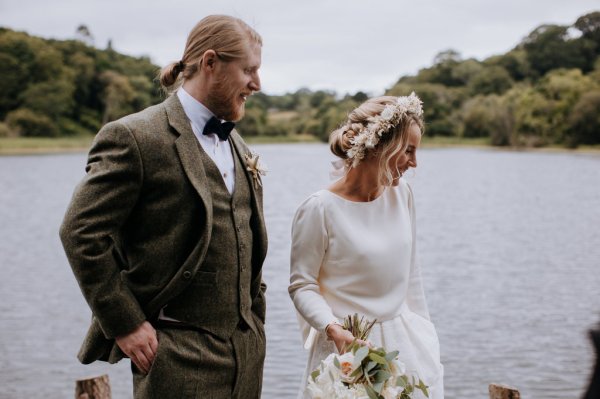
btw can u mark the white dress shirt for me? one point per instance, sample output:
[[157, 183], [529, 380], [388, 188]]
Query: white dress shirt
[[219, 151]]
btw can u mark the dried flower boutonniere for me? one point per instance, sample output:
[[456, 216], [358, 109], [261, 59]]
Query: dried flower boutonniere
[[256, 168]]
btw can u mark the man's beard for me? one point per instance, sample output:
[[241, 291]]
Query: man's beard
[[225, 101]]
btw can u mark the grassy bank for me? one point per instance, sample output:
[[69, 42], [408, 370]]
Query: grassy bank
[[297, 138], [43, 145], [30, 145], [39, 145], [444, 141]]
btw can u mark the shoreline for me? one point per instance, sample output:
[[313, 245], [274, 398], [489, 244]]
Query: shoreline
[[23, 146]]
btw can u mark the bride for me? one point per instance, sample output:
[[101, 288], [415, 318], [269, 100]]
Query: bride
[[353, 244]]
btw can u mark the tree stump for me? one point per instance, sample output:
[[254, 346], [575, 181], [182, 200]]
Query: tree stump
[[93, 388], [498, 391]]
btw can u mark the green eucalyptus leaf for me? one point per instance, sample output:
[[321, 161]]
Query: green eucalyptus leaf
[[391, 356], [423, 388], [382, 376], [370, 366], [402, 381], [357, 372], [378, 387], [315, 374], [377, 358], [336, 362], [372, 393]]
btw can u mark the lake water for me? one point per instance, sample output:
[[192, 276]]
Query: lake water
[[509, 244]]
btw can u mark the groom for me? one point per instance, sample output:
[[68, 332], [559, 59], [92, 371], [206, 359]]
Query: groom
[[165, 234]]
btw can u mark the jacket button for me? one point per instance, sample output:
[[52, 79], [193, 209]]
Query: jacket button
[[187, 274]]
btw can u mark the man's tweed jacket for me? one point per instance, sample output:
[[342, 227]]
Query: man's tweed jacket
[[139, 223]]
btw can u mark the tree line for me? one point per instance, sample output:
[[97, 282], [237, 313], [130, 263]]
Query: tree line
[[545, 91], [52, 88]]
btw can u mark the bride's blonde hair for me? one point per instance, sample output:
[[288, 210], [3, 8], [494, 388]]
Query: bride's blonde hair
[[344, 143]]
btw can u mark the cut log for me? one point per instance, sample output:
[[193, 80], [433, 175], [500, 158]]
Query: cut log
[[93, 388], [498, 391]]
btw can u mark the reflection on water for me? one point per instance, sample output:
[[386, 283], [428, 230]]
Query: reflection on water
[[508, 243]]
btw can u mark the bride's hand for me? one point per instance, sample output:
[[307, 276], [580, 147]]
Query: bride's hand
[[342, 338]]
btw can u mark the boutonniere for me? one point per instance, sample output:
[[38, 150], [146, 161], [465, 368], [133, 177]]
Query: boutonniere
[[256, 168]]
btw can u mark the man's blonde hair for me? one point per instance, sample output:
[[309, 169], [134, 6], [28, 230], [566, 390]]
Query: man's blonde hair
[[227, 36]]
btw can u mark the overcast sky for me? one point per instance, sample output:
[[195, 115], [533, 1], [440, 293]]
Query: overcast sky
[[344, 46]]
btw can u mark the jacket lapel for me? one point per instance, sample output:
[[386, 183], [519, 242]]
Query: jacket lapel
[[189, 152]]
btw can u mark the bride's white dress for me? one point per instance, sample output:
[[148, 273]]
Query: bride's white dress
[[359, 257]]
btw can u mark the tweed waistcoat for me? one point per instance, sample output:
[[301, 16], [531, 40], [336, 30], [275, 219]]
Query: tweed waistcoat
[[219, 293]]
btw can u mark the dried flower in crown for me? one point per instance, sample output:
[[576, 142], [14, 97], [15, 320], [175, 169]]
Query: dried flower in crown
[[381, 124]]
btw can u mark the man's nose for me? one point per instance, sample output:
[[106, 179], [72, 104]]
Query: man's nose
[[255, 83]]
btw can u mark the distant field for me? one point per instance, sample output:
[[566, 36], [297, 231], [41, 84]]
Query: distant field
[[281, 116]]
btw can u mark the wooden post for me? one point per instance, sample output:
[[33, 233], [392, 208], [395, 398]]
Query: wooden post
[[93, 388], [498, 391]]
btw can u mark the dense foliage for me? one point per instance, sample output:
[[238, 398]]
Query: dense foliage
[[60, 88], [544, 91]]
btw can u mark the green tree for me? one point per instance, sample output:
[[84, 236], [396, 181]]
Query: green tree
[[563, 88], [550, 47], [53, 98], [490, 80], [117, 97], [515, 62], [84, 34], [487, 116], [531, 112], [441, 71], [466, 70], [589, 42], [13, 81], [254, 121], [583, 124], [439, 103]]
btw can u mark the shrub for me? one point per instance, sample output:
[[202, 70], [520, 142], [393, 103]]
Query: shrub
[[5, 131], [27, 123]]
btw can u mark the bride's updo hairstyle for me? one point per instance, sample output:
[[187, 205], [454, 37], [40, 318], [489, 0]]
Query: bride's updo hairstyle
[[227, 36], [378, 128]]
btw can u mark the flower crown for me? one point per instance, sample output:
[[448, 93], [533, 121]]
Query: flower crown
[[378, 125]]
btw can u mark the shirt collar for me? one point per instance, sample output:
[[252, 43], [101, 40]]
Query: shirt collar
[[196, 112]]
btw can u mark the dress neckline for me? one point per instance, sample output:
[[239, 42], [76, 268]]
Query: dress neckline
[[384, 192]]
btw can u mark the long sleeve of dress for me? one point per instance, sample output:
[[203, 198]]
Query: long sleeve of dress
[[309, 246], [416, 294]]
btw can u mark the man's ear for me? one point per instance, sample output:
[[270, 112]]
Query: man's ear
[[208, 60]]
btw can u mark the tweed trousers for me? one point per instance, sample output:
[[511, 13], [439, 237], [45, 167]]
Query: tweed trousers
[[193, 364]]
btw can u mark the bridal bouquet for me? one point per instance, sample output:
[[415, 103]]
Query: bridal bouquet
[[362, 372]]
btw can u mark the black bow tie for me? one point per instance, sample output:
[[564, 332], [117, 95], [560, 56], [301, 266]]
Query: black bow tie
[[220, 129]]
